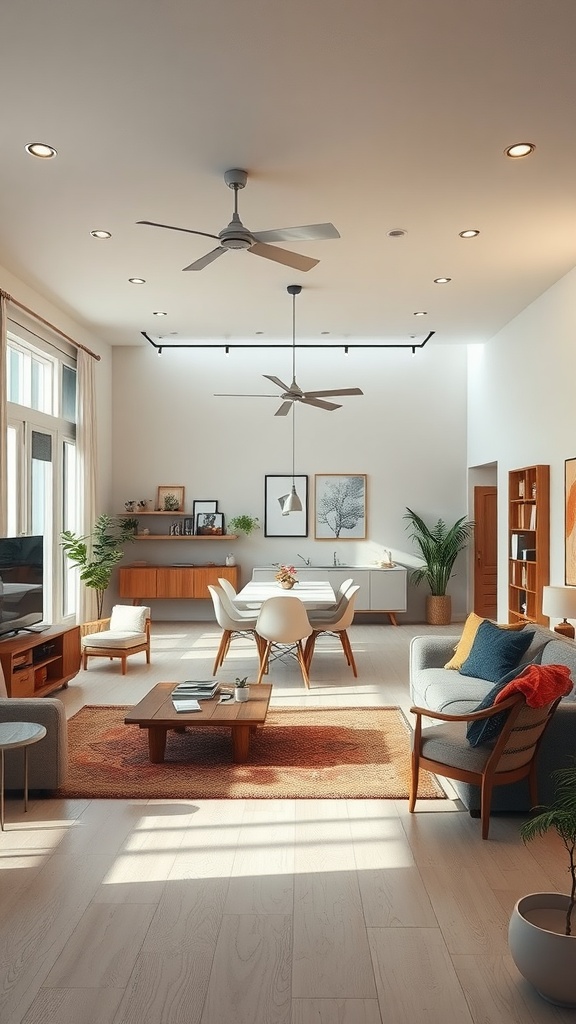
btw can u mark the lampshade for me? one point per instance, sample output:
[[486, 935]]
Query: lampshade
[[292, 503], [559, 602]]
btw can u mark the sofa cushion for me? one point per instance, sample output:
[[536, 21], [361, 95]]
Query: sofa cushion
[[436, 689], [471, 627], [486, 730], [495, 652]]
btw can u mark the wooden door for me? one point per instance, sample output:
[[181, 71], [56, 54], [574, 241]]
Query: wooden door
[[485, 552]]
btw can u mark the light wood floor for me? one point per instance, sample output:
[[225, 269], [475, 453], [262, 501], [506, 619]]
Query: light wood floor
[[263, 912]]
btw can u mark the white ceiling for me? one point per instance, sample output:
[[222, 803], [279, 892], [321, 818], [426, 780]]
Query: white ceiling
[[373, 114]]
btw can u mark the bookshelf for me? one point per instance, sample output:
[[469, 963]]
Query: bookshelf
[[528, 542]]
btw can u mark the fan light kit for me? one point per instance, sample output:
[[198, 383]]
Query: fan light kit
[[236, 236], [294, 393]]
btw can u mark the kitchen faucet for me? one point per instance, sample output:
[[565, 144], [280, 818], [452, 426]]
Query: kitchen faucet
[[305, 560], [336, 562]]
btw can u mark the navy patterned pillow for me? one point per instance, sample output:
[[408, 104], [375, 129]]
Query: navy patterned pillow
[[495, 652], [488, 729]]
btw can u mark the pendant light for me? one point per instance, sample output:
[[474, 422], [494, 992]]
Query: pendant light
[[293, 502]]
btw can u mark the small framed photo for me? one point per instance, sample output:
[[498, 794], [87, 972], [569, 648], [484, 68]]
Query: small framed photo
[[188, 527], [570, 521], [199, 507], [276, 490], [340, 506], [170, 498], [210, 524]]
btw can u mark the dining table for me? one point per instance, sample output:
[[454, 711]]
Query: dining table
[[313, 593]]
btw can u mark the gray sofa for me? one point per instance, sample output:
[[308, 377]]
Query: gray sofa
[[432, 686], [48, 759]]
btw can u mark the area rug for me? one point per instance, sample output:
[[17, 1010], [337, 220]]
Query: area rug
[[326, 753]]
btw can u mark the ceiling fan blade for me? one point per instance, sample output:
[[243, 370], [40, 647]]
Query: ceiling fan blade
[[306, 233], [329, 394], [289, 259], [284, 409], [204, 261], [244, 396], [320, 403], [276, 380], [189, 231]]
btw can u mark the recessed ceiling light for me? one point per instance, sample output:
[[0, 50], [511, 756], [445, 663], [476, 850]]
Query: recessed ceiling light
[[396, 233], [421, 312], [101, 234], [469, 233], [442, 280], [41, 150], [158, 312], [137, 280], [519, 149]]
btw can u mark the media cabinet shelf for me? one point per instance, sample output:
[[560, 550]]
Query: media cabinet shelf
[[35, 665]]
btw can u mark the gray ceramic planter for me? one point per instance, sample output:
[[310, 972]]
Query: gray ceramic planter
[[541, 950]]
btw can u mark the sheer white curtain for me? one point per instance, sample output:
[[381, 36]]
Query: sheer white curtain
[[3, 420], [86, 468]]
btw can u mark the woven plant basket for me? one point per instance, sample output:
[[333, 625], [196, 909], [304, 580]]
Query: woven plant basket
[[439, 610]]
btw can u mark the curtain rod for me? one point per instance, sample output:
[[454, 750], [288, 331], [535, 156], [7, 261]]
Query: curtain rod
[[40, 319]]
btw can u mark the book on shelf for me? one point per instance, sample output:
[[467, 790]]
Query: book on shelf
[[519, 542]]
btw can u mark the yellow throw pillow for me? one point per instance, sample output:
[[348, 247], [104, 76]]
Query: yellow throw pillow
[[464, 645]]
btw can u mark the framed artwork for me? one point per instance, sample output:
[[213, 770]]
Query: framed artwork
[[199, 507], [570, 522], [170, 498], [276, 490], [340, 506], [210, 524], [188, 526]]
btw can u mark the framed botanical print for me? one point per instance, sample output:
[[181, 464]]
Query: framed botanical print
[[276, 522], [340, 506]]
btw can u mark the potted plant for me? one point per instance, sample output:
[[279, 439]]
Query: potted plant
[[241, 689], [439, 548], [244, 524], [286, 576], [97, 553], [542, 926]]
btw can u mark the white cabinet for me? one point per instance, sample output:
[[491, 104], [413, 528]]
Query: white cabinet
[[381, 590]]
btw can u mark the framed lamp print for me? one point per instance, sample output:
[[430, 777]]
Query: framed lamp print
[[276, 522]]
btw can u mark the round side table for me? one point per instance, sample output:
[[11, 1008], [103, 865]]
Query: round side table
[[12, 735]]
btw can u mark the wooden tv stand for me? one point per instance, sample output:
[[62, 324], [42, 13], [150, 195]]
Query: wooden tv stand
[[35, 664]]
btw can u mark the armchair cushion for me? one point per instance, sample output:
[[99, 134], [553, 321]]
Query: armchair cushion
[[121, 639], [129, 617], [495, 652], [485, 731]]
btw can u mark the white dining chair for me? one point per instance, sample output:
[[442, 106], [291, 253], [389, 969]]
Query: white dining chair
[[234, 623], [336, 626], [283, 623]]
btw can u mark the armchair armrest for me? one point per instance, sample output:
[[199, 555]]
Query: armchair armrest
[[98, 626]]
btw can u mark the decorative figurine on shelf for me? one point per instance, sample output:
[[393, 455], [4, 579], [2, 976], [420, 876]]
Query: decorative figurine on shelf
[[144, 504], [130, 506]]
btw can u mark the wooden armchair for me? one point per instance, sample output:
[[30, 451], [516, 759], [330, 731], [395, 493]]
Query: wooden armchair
[[126, 632], [445, 750]]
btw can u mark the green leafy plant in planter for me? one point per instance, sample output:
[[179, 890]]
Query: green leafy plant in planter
[[97, 553], [244, 524], [439, 547], [540, 933]]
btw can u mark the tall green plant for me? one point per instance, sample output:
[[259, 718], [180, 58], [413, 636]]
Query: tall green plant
[[439, 547], [560, 816], [97, 553]]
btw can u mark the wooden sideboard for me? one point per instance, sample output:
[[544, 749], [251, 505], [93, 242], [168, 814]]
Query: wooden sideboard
[[35, 664], [169, 582]]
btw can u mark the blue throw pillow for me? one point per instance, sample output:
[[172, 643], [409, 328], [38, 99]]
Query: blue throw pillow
[[487, 729], [495, 652]]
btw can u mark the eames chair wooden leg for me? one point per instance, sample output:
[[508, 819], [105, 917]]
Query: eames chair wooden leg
[[222, 649], [309, 650], [264, 654], [346, 647], [302, 661]]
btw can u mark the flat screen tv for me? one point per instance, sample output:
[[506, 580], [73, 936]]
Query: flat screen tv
[[21, 583]]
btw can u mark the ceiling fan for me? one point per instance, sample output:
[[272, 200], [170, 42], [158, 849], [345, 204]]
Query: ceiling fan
[[236, 236], [294, 393]]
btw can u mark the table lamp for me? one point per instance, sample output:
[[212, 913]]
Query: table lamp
[[560, 603]]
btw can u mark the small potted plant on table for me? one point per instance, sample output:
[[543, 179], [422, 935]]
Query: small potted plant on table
[[241, 689], [286, 576]]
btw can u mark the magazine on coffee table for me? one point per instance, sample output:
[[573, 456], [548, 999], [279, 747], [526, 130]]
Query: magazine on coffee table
[[201, 689]]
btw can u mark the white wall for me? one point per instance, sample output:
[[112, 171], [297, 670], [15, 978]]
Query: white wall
[[522, 410], [407, 433]]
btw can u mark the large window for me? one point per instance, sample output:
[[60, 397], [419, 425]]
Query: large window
[[41, 393]]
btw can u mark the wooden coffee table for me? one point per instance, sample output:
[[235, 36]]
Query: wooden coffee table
[[156, 713]]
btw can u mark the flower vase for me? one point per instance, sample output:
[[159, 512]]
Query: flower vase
[[287, 584], [242, 693]]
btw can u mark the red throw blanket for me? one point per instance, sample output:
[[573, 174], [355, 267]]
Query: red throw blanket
[[540, 684]]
